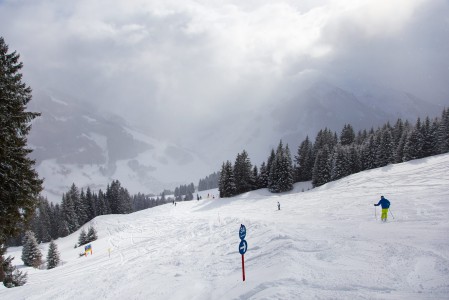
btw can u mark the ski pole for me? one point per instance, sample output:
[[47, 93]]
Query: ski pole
[[375, 212], [391, 213]]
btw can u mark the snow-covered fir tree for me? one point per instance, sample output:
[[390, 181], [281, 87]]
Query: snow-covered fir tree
[[385, 147], [19, 182], [414, 144], [52, 255], [304, 161], [263, 176], [31, 255], [281, 173], [12, 276], [322, 167], [347, 135], [443, 132], [69, 214], [227, 186], [91, 234], [242, 173], [341, 165], [82, 238]]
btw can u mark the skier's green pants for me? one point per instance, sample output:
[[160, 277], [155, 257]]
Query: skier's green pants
[[384, 214]]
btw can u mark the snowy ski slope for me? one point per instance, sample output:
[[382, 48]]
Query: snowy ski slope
[[323, 244]]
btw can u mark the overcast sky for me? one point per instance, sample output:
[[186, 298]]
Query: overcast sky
[[186, 60]]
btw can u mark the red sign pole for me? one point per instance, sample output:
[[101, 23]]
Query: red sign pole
[[243, 267]]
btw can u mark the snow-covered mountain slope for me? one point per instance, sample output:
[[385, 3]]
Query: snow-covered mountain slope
[[75, 143], [79, 143], [324, 243], [304, 109]]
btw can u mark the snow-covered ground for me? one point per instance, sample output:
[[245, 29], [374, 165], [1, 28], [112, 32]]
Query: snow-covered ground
[[323, 244]]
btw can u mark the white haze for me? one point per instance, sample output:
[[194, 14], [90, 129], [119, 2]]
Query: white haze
[[176, 67], [324, 243]]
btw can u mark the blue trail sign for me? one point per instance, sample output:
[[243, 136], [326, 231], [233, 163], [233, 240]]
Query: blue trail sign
[[242, 232], [243, 246]]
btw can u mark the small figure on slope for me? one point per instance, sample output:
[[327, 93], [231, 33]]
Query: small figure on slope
[[385, 204], [279, 206]]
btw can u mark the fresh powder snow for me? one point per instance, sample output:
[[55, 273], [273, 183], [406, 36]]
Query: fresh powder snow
[[324, 243]]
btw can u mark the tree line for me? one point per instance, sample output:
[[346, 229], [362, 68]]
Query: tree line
[[78, 207], [332, 156], [210, 182], [184, 192]]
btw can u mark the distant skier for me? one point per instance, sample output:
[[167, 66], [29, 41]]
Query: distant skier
[[385, 204], [279, 206]]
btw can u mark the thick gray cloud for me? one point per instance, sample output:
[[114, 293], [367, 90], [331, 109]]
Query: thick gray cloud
[[184, 64]]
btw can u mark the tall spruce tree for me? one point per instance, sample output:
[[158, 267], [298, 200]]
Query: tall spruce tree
[[31, 255], [263, 177], [92, 234], [82, 238], [69, 215], [227, 186], [19, 182], [52, 255], [304, 161], [341, 165], [443, 132], [347, 135], [414, 144], [242, 173], [322, 167], [281, 173]]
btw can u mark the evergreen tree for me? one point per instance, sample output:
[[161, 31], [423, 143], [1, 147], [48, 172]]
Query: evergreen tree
[[19, 182], [429, 133], [263, 177], [89, 204], [68, 213], [242, 173], [210, 182], [55, 220], [341, 165], [91, 234], [255, 178], [12, 277], [397, 132], [443, 132], [31, 255], [118, 198], [78, 204], [52, 255], [361, 138], [125, 201], [270, 161], [63, 229], [414, 144], [347, 136], [355, 162], [322, 167], [42, 224], [227, 186], [385, 147], [281, 174], [82, 239], [304, 161]]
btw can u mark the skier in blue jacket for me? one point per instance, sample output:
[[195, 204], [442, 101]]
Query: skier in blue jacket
[[385, 204]]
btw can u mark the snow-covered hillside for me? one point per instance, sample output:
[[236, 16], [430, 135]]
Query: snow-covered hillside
[[323, 244], [75, 143]]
